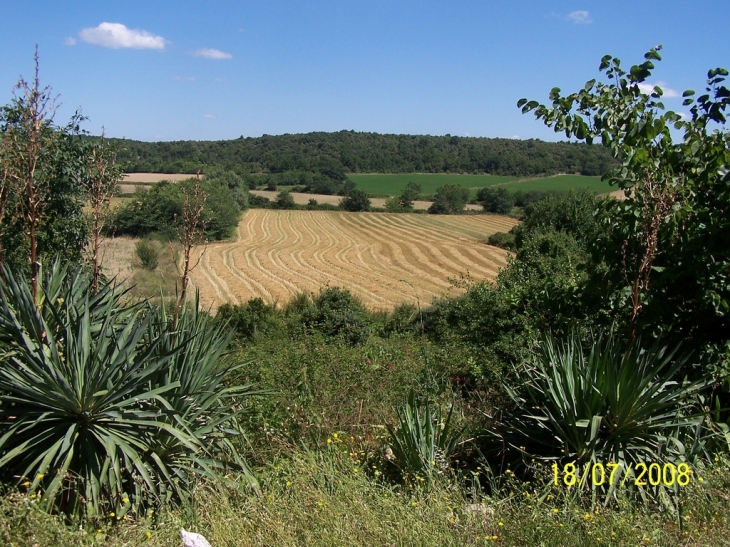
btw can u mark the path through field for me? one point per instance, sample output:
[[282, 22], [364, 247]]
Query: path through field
[[384, 259]]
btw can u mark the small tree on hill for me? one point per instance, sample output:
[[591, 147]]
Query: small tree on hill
[[356, 200], [409, 195], [495, 200], [284, 200], [450, 199]]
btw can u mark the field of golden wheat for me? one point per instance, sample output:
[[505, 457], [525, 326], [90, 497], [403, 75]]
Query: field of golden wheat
[[384, 259]]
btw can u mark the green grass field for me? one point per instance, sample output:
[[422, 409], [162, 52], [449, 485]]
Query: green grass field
[[392, 184], [561, 183]]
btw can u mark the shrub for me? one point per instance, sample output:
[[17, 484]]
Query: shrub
[[284, 200], [503, 240], [495, 200], [356, 200], [147, 254], [450, 199], [252, 319], [336, 312]]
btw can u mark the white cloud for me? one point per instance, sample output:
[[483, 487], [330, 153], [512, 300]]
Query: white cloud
[[210, 53], [515, 137], [69, 41], [209, 117], [649, 89], [580, 17], [116, 35], [184, 78]]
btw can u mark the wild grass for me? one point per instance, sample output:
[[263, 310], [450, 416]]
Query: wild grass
[[324, 499]]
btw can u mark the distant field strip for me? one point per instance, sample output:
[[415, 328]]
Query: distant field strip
[[384, 259], [559, 183]]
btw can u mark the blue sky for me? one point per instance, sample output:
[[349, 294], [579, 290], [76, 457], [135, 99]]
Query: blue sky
[[164, 70]]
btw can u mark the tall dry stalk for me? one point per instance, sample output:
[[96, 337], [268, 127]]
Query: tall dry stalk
[[659, 197], [189, 228], [100, 183], [27, 142]]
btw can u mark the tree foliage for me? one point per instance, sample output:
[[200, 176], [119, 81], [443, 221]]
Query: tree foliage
[[450, 199], [356, 200], [41, 165], [320, 160], [495, 200], [155, 210], [668, 242]]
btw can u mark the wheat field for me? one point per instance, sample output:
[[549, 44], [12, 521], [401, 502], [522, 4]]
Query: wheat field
[[384, 259]]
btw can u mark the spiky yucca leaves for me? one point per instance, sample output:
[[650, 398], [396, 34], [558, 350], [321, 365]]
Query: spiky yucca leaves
[[424, 439], [86, 398], [607, 403], [202, 403]]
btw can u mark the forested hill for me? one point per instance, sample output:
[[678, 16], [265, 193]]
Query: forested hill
[[334, 154]]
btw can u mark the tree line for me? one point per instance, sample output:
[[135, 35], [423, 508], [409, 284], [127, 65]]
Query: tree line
[[331, 155]]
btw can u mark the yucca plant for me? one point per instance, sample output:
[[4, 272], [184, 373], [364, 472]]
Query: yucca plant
[[94, 393], [606, 403], [203, 403], [424, 439]]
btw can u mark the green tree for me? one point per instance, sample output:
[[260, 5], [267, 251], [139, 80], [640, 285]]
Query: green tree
[[408, 195], [450, 199], [356, 200], [155, 210], [668, 242], [495, 200], [41, 166], [284, 200]]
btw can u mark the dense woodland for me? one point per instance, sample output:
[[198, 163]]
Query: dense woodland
[[334, 154]]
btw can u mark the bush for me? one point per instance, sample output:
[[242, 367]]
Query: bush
[[503, 240], [356, 200], [156, 209], [252, 319], [495, 200], [450, 199], [147, 254], [336, 312], [284, 200]]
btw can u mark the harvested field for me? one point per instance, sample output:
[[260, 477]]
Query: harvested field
[[384, 259], [303, 199], [150, 178]]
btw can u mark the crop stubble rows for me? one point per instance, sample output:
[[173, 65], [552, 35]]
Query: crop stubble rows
[[384, 259]]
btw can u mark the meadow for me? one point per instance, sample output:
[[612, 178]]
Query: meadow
[[393, 184], [384, 259]]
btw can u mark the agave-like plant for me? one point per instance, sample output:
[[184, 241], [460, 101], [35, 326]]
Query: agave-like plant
[[424, 439], [93, 391], [202, 402], [606, 403]]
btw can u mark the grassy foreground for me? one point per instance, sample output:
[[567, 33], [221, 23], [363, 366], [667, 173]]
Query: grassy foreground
[[329, 499]]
